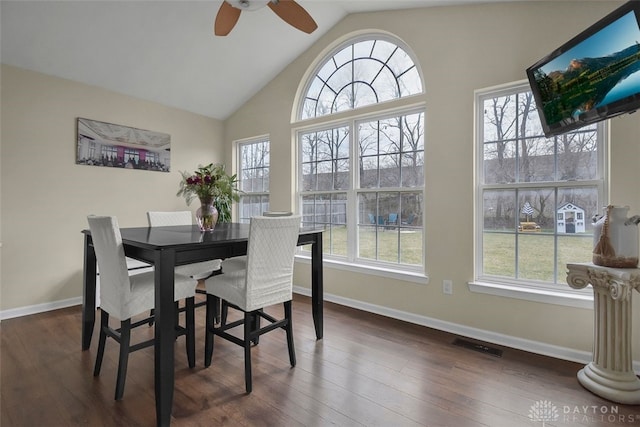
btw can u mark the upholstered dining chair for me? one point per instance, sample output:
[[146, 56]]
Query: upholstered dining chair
[[241, 261], [261, 279], [124, 296]]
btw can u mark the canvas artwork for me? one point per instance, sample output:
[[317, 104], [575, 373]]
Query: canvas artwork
[[110, 145]]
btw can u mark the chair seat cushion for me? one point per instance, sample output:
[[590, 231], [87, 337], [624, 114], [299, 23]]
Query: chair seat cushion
[[265, 276], [235, 263], [231, 286], [199, 270], [142, 297]]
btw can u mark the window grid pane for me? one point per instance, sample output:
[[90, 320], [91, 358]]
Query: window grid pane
[[252, 206], [328, 211], [389, 222], [325, 160], [363, 73], [253, 173], [528, 233], [390, 227], [392, 152]]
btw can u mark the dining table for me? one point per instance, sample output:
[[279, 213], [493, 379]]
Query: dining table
[[171, 246]]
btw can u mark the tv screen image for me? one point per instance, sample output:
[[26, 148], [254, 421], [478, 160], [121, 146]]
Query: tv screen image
[[594, 76]]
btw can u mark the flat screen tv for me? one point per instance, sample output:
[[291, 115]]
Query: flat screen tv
[[592, 77]]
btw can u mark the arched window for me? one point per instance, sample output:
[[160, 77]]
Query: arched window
[[362, 177], [362, 73]]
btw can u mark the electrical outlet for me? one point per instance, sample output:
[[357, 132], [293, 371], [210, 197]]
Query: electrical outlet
[[447, 287]]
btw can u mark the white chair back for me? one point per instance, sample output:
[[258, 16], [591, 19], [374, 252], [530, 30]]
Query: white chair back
[[270, 256], [162, 219], [115, 285]]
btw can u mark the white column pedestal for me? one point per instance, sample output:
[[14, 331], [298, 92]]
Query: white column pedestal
[[610, 374]]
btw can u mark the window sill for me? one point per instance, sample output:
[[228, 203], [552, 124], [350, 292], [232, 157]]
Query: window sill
[[407, 276], [559, 297]]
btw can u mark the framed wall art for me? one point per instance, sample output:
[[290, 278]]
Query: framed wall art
[[110, 145]]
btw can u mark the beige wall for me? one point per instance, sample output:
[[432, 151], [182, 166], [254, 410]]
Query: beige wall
[[46, 196], [459, 49]]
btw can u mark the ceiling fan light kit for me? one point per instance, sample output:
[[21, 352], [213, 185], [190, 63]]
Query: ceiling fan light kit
[[288, 10]]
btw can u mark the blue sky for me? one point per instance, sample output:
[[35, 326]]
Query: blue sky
[[615, 37]]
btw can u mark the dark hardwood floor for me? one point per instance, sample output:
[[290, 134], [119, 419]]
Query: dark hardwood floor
[[367, 371]]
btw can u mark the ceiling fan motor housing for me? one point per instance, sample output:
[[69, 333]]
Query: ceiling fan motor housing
[[248, 4], [290, 12]]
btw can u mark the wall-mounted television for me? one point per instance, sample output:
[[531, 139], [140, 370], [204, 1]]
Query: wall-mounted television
[[592, 77]]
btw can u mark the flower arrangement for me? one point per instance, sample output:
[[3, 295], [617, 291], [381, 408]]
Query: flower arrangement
[[211, 184]]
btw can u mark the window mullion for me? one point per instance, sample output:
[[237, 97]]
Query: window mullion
[[352, 193]]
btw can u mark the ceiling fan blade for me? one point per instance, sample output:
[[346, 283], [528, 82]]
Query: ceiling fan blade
[[226, 19], [294, 14]]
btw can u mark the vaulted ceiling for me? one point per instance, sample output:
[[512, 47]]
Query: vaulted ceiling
[[165, 51]]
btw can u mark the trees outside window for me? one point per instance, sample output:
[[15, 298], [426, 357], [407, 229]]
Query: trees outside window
[[253, 178], [525, 184]]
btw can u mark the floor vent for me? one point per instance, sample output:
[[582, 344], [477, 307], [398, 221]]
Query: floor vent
[[482, 348]]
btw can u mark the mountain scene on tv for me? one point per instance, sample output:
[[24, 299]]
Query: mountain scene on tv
[[585, 83]]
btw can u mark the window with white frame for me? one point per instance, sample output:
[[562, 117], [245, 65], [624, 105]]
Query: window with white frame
[[253, 178], [535, 195], [362, 178]]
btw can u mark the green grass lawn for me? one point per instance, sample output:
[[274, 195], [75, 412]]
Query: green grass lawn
[[535, 250], [393, 244], [535, 254], [390, 242]]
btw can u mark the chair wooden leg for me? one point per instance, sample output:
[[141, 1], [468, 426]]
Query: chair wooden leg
[[248, 323], [255, 326], [125, 339], [191, 331], [176, 319], [225, 312], [251, 326], [104, 323], [211, 314], [215, 310], [218, 312], [289, 330]]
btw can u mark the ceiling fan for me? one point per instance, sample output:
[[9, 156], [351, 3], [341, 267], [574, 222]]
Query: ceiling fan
[[290, 12]]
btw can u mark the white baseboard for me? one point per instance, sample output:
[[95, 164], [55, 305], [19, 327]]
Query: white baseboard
[[134, 267], [39, 308], [537, 347]]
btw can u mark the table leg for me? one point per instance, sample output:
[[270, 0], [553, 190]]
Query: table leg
[[164, 334], [88, 293], [317, 291]]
